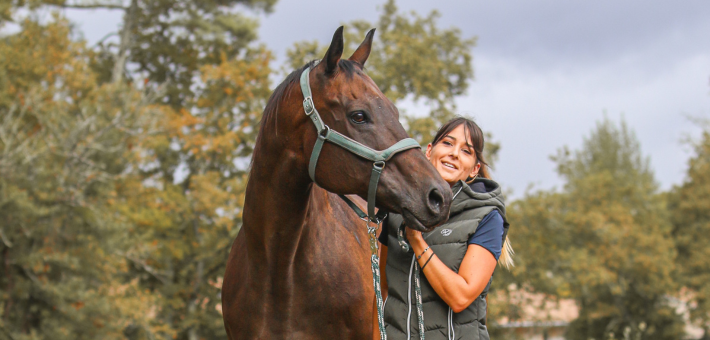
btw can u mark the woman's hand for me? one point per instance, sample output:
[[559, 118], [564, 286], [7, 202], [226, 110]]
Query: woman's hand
[[414, 237]]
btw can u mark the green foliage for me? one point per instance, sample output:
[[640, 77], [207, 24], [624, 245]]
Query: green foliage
[[63, 139], [163, 205], [183, 201], [171, 40], [690, 214], [185, 226], [604, 241]]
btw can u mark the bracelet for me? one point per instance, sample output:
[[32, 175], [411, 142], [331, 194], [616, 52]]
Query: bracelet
[[427, 262], [422, 254]]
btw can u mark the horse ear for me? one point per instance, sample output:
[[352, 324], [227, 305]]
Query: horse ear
[[363, 51], [335, 51]]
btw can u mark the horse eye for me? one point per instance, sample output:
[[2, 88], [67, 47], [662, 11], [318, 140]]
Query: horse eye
[[358, 117]]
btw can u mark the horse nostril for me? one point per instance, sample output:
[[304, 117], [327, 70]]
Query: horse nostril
[[435, 201]]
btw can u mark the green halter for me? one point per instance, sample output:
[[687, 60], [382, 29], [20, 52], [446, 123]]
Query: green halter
[[378, 158], [326, 134]]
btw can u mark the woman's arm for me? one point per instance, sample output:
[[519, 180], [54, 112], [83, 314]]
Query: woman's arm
[[460, 289]]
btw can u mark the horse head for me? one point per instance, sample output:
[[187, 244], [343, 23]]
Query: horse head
[[351, 104]]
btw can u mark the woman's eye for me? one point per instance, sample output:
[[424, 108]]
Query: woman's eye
[[467, 151], [358, 117], [447, 143]]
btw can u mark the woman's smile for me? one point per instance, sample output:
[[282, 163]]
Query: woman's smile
[[449, 165]]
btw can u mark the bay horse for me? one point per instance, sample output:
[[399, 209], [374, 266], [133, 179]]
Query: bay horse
[[299, 267]]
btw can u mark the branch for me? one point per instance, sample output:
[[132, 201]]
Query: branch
[[126, 42], [104, 38], [4, 238], [96, 6], [150, 270], [31, 276]]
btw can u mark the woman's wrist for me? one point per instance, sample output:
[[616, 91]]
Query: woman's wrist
[[418, 245]]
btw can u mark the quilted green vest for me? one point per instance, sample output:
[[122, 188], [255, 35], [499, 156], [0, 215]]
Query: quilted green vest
[[449, 242]]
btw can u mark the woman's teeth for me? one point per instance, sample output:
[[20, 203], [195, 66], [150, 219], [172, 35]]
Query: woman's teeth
[[448, 165]]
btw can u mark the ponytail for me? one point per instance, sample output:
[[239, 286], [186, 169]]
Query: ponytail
[[506, 255]]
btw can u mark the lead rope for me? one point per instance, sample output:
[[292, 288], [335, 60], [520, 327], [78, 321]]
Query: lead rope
[[417, 284], [418, 299], [375, 264]]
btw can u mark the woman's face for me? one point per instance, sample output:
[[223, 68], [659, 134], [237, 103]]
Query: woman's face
[[454, 156]]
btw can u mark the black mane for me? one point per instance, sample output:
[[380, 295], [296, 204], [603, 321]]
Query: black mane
[[272, 104]]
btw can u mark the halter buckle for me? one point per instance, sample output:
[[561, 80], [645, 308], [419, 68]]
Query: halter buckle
[[308, 106]]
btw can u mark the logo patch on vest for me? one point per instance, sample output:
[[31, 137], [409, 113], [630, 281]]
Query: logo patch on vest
[[446, 232]]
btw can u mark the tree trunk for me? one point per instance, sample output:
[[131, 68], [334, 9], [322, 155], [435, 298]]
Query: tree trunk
[[125, 43]]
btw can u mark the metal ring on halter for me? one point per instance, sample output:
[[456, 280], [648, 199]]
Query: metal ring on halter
[[323, 134], [377, 220], [379, 165]]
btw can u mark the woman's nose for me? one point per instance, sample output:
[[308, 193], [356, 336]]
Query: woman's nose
[[454, 152]]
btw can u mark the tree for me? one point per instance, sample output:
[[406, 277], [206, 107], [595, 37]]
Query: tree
[[182, 200], [604, 241], [62, 141], [621, 252], [688, 204]]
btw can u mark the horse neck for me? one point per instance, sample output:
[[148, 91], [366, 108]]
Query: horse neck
[[278, 196]]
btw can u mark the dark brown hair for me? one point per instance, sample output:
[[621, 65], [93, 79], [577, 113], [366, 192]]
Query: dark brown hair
[[475, 134]]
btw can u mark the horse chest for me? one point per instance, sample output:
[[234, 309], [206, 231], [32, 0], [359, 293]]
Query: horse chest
[[325, 292]]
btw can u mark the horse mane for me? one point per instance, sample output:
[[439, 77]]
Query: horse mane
[[283, 91]]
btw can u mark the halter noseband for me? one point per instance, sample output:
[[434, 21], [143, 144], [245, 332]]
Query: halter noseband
[[378, 158]]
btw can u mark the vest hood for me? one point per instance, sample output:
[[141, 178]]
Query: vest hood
[[468, 199]]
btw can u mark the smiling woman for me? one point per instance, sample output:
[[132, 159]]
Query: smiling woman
[[457, 258], [459, 151]]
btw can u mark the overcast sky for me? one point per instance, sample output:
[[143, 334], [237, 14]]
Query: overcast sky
[[545, 71]]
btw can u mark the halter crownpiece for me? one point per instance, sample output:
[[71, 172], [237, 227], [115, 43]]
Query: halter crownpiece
[[325, 133]]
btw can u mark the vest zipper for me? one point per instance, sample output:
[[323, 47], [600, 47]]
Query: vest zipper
[[450, 333], [461, 188], [409, 298]]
